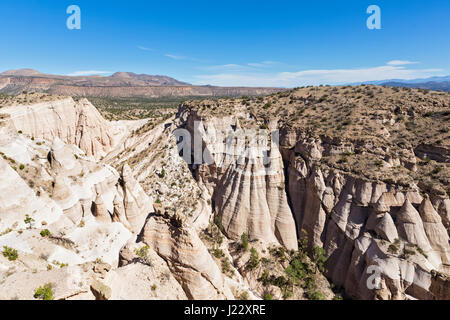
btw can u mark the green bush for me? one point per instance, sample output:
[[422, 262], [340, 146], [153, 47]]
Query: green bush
[[10, 253], [244, 241], [44, 293], [29, 221], [297, 270], [393, 248], [254, 259], [218, 253], [319, 258], [142, 253], [265, 278], [268, 296], [45, 233], [315, 295], [226, 267]]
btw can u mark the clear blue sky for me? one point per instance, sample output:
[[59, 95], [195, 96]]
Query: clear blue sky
[[246, 42]]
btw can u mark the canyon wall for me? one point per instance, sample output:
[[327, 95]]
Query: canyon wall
[[365, 226]]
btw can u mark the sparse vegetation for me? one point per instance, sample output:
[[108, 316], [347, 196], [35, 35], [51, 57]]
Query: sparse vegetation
[[244, 241], [268, 296], [29, 221], [254, 259], [10, 253], [45, 233], [218, 253], [45, 292], [142, 254]]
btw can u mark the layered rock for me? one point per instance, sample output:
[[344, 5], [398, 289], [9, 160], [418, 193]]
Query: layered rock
[[78, 123], [365, 225], [247, 188], [187, 258]]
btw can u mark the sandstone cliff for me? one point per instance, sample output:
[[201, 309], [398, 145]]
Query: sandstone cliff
[[386, 215]]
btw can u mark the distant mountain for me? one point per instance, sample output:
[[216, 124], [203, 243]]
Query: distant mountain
[[120, 84], [411, 81], [21, 72], [157, 79], [430, 85]]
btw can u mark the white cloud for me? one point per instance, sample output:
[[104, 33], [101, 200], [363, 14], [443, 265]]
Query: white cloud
[[145, 48], [262, 64], [400, 62], [252, 66], [88, 73], [315, 77], [228, 67], [175, 57]]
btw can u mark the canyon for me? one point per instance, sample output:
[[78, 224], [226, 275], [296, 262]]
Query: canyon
[[355, 180]]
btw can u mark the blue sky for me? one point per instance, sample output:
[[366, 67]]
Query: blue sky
[[252, 43]]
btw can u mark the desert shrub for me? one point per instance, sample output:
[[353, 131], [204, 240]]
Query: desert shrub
[[267, 106], [314, 295], [244, 241], [254, 259], [29, 221], [265, 278], [420, 250], [297, 270], [393, 248], [244, 296], [44, 293], [226, 267], [45, 233], [142, 253], [10, 253], [319, 258], [218, 253]]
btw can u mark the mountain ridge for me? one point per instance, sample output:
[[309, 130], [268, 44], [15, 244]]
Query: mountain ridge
[[119, 84]]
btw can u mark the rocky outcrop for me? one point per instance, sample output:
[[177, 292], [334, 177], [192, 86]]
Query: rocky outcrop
[[137, 205], [100, 290], [187, 258], [367, 227], [99, 210], [78, 123], [247, 189]]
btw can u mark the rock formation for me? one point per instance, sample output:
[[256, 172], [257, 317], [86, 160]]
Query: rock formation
[[289, 188]]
